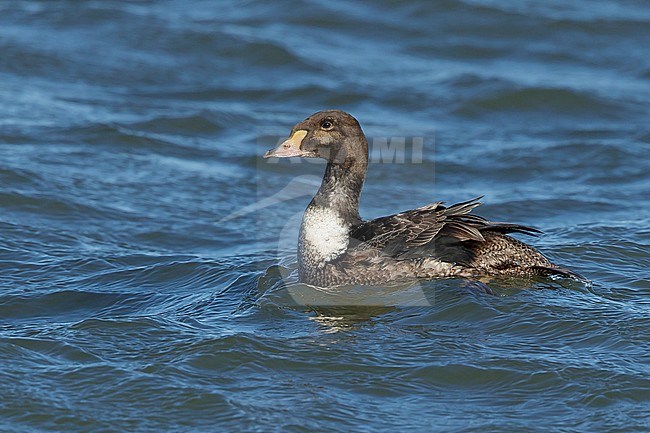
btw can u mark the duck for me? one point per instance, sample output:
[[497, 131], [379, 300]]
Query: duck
[[336, 247]]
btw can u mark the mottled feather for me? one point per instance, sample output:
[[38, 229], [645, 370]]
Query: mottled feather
[[403, 233]]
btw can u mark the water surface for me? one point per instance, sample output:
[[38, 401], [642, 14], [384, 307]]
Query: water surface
[[141, 260]]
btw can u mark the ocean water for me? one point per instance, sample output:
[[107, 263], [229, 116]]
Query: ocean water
[[147, 251]]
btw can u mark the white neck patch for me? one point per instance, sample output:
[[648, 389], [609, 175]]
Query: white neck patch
[[324, 233]]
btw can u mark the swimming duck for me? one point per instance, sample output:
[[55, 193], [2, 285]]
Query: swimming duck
[[337, 247]]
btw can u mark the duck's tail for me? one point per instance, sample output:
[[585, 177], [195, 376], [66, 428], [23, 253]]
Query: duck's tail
[[560, 272]]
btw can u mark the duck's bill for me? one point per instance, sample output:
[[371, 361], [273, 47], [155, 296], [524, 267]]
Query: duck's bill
[[290, 147]]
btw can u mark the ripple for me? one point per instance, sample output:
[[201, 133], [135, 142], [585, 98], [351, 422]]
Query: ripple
[[20, 177], [54, 206], [64, 304], [196, 124], [49, 352], [555, 100]]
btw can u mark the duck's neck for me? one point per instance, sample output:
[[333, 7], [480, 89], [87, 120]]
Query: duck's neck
[[324, 233], [341, 189]]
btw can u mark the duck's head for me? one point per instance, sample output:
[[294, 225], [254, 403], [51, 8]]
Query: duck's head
[[333, 135]]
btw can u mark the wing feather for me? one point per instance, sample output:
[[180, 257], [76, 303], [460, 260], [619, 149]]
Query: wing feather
[[407, 233]]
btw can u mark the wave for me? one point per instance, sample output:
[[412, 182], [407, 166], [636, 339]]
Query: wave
[[542, 99]]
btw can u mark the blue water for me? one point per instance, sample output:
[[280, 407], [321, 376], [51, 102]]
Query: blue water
[[147, 251]]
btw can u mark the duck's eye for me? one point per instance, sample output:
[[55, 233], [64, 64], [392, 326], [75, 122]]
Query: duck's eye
[[327, 125]]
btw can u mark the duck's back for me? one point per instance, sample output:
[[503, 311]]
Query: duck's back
[[433, 241]]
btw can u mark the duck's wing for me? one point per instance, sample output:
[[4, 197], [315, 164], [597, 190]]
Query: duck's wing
[[429, 228]]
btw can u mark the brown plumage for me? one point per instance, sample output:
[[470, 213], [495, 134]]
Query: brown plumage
[[337, 247]]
